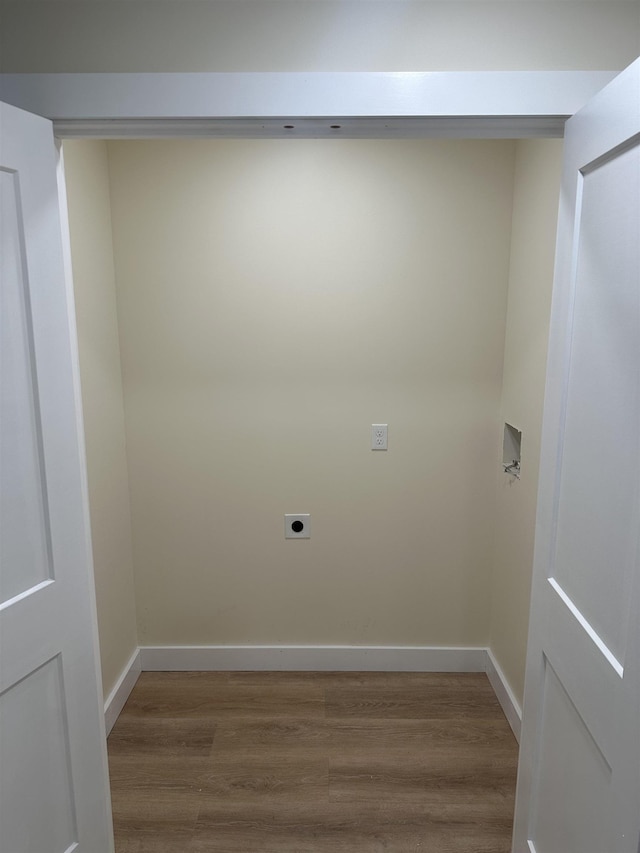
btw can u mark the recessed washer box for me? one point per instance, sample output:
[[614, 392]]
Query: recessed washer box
[[511, 448], [297, 526]]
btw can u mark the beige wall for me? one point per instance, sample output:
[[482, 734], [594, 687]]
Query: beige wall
[[90, 221], [535, 210], [275, 299], [317, 35]]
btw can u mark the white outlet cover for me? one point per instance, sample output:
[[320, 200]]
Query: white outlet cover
[[379, 433], [294, 520]]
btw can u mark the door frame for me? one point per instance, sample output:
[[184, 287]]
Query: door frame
[[387, 105], [403, 105]]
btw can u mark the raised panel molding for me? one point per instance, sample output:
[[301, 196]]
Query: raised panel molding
[[36, 706]]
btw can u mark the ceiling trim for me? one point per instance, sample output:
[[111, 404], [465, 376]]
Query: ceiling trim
[[393, 105], [337, 127]]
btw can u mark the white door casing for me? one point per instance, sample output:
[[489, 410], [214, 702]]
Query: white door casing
[[576, 711], [54, 793], [579, 772]]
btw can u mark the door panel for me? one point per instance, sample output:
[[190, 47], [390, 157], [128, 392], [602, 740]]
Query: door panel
[[580, 768], [25, 560], [579, 774], [54, 795], [37, 702], [600, 468]]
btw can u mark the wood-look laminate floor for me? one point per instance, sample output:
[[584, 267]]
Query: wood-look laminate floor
[[278, 762]]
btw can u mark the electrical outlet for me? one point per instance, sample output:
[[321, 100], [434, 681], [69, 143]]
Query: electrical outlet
[[379, 436]]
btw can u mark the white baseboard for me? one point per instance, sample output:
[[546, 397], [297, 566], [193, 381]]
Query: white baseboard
[[313, 658], [504, 694], [310, 658], [115, 701]]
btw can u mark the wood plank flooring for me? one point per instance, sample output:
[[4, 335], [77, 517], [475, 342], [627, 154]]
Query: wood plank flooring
[[281, 762]]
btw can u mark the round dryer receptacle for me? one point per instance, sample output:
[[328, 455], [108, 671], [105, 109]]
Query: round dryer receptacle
[[297, 526]]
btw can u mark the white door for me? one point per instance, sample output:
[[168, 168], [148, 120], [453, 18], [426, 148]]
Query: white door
[[579, 776], [54, 793]]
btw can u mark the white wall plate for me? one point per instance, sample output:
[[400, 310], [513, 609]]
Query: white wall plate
[[297, 526]]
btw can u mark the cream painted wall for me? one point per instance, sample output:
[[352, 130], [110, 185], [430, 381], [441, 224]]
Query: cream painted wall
[[317, 35], [535, 211], [275, 298], [87, 179]]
